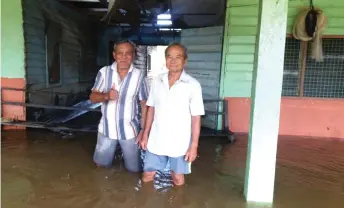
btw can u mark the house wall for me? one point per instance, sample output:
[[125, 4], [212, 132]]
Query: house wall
[[297, 114], [78, 50], [114, 34], [12, 59], [204, 47]]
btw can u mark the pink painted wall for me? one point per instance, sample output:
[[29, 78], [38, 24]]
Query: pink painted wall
[[12, 112], [314, 117]]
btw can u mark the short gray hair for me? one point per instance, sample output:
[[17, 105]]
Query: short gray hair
[[185, 51], [125, 41]]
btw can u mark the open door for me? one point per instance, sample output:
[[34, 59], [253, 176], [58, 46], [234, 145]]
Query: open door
[[204, 47]]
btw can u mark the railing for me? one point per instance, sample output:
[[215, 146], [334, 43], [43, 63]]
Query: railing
[[34, 91], [63, 127], [48, 106]]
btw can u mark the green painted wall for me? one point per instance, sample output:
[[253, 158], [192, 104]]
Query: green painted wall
[[12, 39], [240, 39]]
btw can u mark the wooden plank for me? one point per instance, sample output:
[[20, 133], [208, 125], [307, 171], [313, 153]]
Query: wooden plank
[[208, 65], [204, 31], [241, 49], [35, 56], [242, 3], [38, 78], [243, 21], [241, 39], [204, 40], [205, 57], [204, 48], [203, 74], [244, 11], [240, 67], [210, 106], [34, 20], [32, 63], [33, 31], [36, 71], [37, 40], [34, 48], [242, 30], [240, 76], [239, 58], [71, 80], [303, 58], [207, 83]]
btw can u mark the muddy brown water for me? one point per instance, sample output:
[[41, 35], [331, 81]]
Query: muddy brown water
[[39, 169]]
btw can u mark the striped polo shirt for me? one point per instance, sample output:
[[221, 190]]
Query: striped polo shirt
[[121, 118]]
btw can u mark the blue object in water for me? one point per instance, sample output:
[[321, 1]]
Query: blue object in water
[[76, 113]]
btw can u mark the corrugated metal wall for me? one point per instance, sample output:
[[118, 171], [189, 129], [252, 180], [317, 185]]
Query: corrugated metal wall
[[114, 34], [140, 61], [78, 48], [204, 63]]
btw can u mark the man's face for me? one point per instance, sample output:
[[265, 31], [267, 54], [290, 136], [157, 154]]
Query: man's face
[[123, 55], [175, 59]]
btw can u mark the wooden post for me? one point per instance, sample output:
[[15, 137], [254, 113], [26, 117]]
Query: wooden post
[[303, 59], [266, 98]]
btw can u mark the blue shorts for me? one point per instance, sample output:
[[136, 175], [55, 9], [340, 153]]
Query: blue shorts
[[178, 165], [105, 152]]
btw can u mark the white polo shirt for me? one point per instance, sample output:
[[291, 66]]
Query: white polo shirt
[[170, 134], [121, 118]]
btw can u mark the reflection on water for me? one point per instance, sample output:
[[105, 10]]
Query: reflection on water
[[41, 170]]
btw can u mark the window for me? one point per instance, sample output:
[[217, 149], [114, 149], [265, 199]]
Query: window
[[79, 56], [291, 72], [53, 53], [305, 77], [54, 67]]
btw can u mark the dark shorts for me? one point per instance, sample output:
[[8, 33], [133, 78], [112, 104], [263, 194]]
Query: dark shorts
[[178, 165], [105, 152]]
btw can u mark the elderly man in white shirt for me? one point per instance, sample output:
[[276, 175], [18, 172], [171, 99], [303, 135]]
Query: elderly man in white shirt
[[120, 87], [175, 106]]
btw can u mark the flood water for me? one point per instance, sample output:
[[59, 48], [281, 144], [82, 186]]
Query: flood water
[[39, 169]]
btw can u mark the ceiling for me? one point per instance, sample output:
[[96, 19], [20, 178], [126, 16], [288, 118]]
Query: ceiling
[[136, 13]]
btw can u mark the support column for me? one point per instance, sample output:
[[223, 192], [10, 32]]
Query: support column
[[266, 99], [12, 60]]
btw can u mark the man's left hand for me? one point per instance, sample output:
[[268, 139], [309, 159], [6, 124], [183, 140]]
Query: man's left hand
[[191, 154], [139, 137]]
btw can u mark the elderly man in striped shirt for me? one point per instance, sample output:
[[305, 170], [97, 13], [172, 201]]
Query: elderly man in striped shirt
[[120, 87]]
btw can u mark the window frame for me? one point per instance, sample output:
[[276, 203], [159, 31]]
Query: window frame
[[303, 65], [48, 85]]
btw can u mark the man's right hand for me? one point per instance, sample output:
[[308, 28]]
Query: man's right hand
[[112, 94], [144, 141]]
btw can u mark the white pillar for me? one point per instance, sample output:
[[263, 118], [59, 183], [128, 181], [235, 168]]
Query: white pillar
[[266, 98]]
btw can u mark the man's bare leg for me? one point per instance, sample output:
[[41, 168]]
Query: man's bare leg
[[148, 176], [178, 179]]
